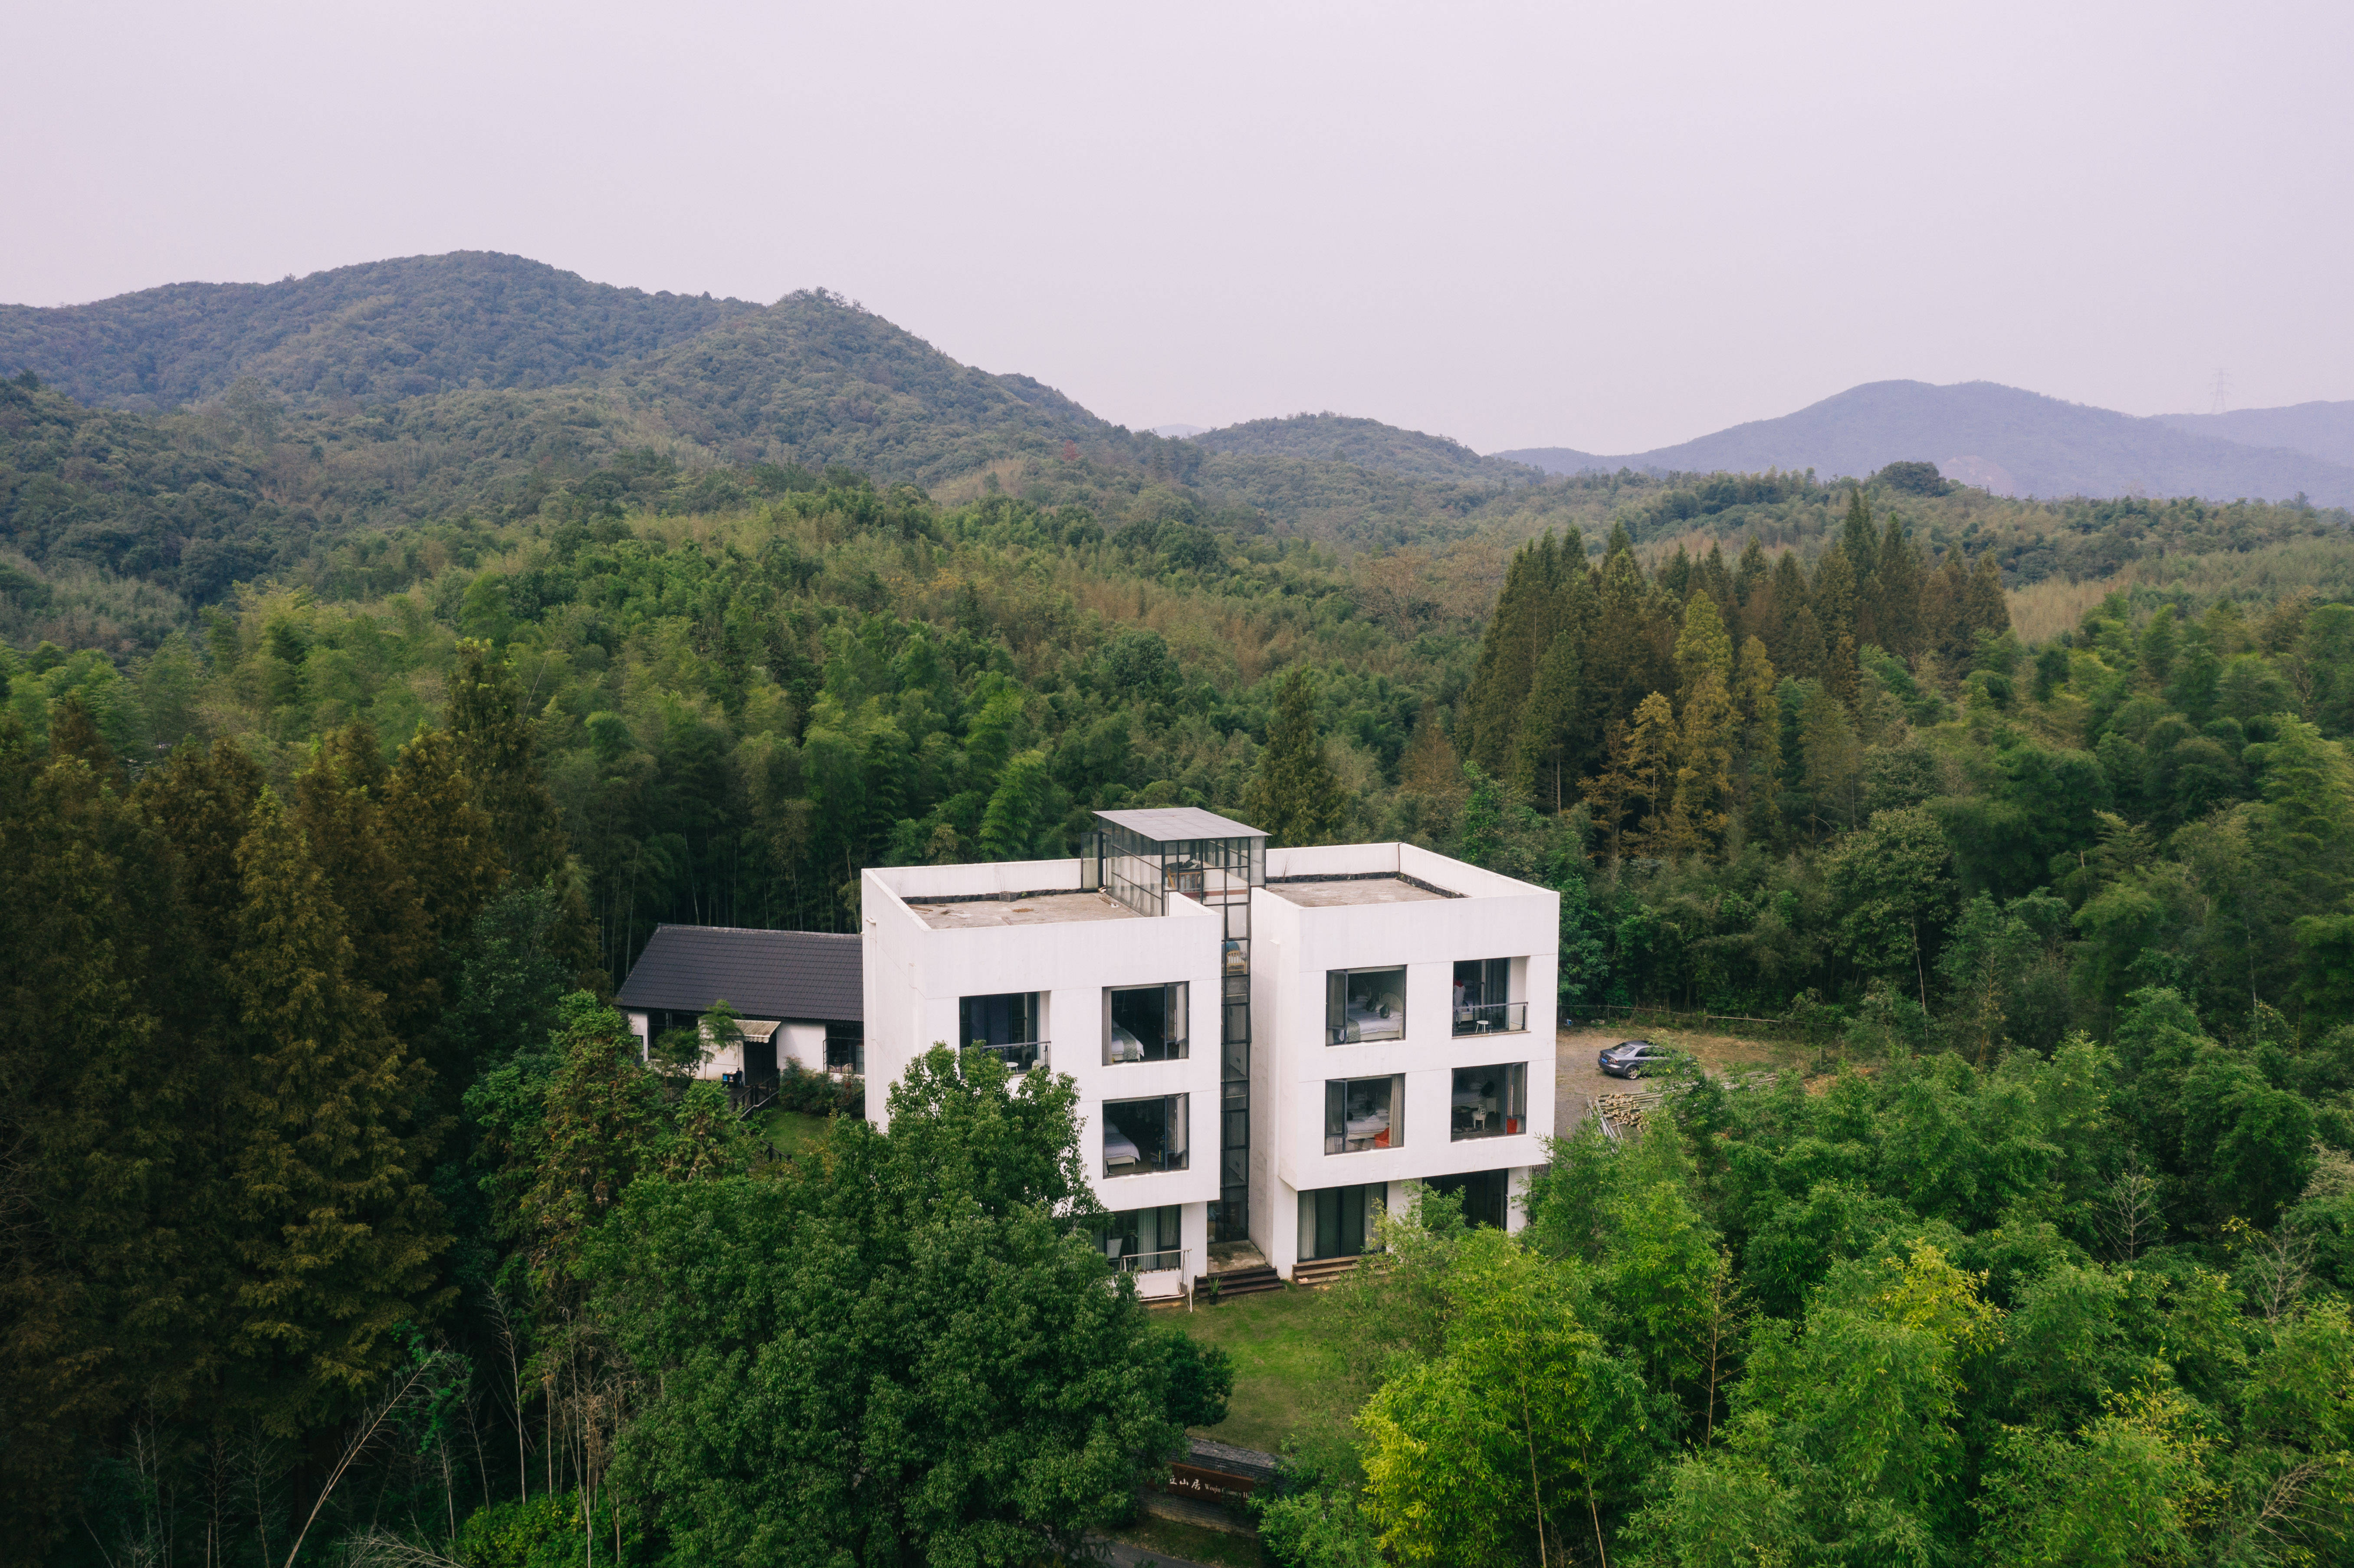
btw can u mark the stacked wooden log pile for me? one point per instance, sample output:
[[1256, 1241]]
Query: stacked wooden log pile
[[1623, 1112]]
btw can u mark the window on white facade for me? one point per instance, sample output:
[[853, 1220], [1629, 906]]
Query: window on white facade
[[1483, 1003], [1010, 1026], [1364, 1113], [1364, 1004], [1144, 1136], [1144, 1024], [1489, 1102], [1143, 1240]]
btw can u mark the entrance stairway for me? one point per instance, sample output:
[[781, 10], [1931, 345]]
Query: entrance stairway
[[1237, 1282], [1321, 1273]]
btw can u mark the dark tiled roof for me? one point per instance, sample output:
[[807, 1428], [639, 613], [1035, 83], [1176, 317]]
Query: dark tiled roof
[[808, 975], [1244, 1464]]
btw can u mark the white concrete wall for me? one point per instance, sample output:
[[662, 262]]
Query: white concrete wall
[[915, 977], [1294, 947], [1268, 988], [729, 1059], [1332, 860], [921, 881], [803, 1044]]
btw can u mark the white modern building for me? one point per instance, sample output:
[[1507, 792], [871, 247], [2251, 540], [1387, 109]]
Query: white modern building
[[1270, 1046]]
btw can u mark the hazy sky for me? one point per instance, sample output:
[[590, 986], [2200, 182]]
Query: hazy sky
[[1602, 225]]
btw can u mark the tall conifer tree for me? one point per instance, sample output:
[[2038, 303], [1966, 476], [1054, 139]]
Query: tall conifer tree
[[1896, 594], [1758, 717], [1627, 656], [1860, 542], [1697, 819], [448, 842], [497, 753], [202, 801], [1651, 746], [337, 1236], [1832, 762], [1296, 796], [1749, 577], [1608, 792], [1676, 577], [1985, 608], [1795, 652], [339, 815], [1537, 602], [106, 1094], [1832, 597], [1717, 580], [1544, 752]]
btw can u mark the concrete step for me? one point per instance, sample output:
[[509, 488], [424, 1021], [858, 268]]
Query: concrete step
[[1237, 1282], [1323, 1272]]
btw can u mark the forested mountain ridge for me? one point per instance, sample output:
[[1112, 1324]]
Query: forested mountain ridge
[[2016, 442], [1367, 443], [726, 406], [815, 380], [116, 527], [402, 328], [126, 513]]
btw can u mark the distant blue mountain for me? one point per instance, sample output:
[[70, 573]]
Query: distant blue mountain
[[2018, 443], [2324, 430]]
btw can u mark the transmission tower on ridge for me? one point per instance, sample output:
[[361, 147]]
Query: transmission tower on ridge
[[2222, 393]]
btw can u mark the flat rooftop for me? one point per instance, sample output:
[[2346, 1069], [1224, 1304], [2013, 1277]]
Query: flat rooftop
[[1321, 892], [1029, 909]]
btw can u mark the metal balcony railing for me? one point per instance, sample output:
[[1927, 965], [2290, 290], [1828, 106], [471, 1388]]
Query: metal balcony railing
[[1019, 1056], [1495, 1018], [1151, 1262]]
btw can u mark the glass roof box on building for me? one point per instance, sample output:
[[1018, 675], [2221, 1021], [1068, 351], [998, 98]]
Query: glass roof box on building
[[1139, 857]]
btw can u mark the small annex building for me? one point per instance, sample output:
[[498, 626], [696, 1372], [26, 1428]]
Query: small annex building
[[797, 996]]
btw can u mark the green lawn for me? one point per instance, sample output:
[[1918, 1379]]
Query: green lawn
[[789, 1132], [1285, 1384]]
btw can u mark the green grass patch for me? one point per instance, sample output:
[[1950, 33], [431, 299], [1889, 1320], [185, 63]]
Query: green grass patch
[[1192, 1543], [791, 1133], [1287, 1382]]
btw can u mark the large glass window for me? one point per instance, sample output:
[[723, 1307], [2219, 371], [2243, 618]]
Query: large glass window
[[1010, 1026], [1486, 1195], [1364, 1004], [1144, 1024], [1143, 1240], [845, 1049], [1338, 1222], [1364, 1113], [1489, 1102], [1141, 1135], [1483, 1003]]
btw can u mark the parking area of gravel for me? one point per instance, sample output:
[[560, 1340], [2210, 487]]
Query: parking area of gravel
[[1577, 1079]]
